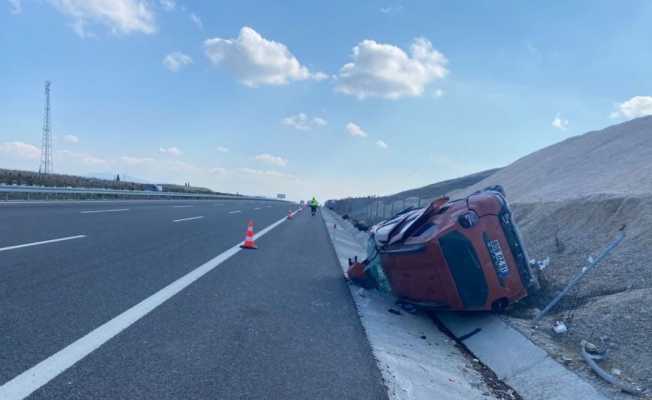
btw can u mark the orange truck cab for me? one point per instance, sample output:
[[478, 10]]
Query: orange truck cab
[[465, 254]]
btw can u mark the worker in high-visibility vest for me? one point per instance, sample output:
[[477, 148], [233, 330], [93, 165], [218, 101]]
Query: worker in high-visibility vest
[[313, 205]]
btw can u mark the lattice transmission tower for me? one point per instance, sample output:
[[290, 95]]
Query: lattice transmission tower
[[46, 166]]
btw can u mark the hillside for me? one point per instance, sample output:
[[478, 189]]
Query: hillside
[[613, 161]]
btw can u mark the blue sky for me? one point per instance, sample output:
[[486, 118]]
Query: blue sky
[[327, 98]]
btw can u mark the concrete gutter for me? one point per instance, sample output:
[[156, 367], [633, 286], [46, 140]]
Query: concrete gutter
[[516, 360]]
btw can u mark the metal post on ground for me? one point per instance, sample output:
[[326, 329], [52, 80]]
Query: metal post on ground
[[581, 273]]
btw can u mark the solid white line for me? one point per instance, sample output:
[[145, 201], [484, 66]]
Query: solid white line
[[43, 242], [104, 211], [31, 380], [186, 206], [257, 208], [188, 219], [235, 212]]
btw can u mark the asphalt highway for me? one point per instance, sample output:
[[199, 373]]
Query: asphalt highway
[[154, 300]]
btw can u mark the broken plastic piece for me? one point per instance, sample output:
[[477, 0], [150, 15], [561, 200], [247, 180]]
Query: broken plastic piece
[[559, 327]]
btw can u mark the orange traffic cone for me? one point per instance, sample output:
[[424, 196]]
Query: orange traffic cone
[[290, 216], [249, 239]]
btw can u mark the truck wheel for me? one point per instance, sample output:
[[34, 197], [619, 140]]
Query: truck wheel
[[500, 305]]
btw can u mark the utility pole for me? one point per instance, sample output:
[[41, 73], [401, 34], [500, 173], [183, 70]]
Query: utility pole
[[46, 142]]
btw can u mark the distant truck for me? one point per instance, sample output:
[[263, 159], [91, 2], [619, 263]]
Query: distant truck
[[152, 188], [465, 254]]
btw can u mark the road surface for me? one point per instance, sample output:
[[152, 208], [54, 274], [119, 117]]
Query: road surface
[[154, 300]]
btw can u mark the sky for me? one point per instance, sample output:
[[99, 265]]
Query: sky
[[324, 98]]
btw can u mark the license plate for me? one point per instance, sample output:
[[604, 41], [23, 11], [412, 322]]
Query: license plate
[[498, 258]]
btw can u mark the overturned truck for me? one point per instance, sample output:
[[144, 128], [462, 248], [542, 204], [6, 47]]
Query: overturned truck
[[463, 254]]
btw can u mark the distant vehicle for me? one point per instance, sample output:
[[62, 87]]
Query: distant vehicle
[[465, 254], [281, 196], [152, 188]]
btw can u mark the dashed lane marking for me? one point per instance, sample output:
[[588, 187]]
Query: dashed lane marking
[[188, 219], [112, 210], [20, 246]]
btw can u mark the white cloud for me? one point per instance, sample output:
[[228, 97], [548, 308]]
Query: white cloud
[[637, 106], [70, 139], [319, 121], [303, 122], [20, 150], [439, 93], [355, 130], [381, 144], [84, 158], [257, 61], [168, 5], [218, 171], [383, 70], [273, 160], [120, 16], [16, 6], [171, 151], [196, 20], [266, 172], [560, 123], [129, 160], [389, 10], [176, 60], [222, 149]]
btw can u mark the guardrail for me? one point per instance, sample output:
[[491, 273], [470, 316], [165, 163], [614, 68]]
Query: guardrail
[[51, 193]]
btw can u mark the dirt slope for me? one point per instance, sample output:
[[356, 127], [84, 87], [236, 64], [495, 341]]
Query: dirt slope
[[616, 160]]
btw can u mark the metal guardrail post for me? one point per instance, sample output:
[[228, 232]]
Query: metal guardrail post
[[580, 275]]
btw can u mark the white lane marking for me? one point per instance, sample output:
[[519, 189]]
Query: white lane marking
[[217, 205], [185, 206], [257, 208], [188, 219], [43, 242], [104, 211], [235, 212], [31, 380]]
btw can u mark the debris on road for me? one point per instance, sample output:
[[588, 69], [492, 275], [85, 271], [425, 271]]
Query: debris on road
[[463, 254]]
